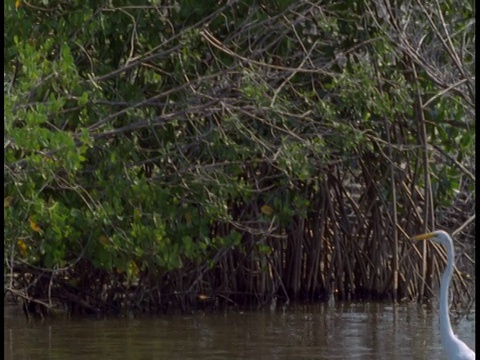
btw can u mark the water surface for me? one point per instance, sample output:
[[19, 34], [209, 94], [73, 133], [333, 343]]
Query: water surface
[[343, 331]]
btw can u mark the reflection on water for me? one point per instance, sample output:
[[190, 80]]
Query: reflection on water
[[343, 331]]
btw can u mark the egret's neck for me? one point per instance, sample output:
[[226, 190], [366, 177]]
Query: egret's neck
[[445, 326]]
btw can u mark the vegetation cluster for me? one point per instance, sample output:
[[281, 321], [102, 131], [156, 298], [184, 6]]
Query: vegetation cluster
[[167, 154]]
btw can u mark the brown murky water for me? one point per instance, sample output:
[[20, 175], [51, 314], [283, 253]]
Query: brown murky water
[[341, 331]]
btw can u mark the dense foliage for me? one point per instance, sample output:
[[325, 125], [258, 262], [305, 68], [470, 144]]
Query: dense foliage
[[163, 152]]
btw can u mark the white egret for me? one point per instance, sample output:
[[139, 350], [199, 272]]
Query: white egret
[[453, 346]]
